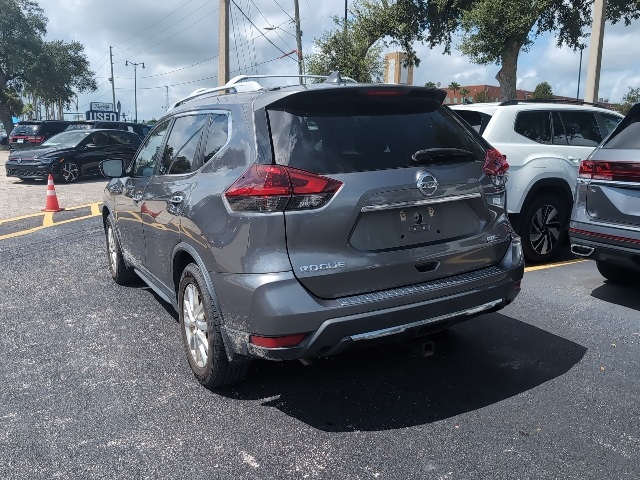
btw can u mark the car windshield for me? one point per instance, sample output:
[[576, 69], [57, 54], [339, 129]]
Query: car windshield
[[27, 129], [66, 139]]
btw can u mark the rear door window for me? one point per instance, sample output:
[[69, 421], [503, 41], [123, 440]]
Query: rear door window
[[182, 145], [365, 136], [218, 134], [559, 134], [582, 128], [477, 120], [535, 126]]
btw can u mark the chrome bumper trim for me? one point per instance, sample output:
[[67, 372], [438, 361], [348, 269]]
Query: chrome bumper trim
[[416, 203]]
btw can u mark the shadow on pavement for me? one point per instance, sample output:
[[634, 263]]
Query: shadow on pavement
[[476, 364], [623, 295]]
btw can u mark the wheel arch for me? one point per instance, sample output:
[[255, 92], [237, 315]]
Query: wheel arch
[[548, 186], [183, 254]]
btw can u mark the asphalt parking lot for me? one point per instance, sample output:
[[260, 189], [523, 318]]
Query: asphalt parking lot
[[96, 384]]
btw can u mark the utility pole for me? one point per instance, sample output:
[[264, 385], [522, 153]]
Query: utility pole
[[166, 98], [296, 7], [135, 84], [595, 51], [112, 80], [223, 43]]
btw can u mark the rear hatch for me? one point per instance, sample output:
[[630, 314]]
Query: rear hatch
[[26, 133], [409, 201], [613, 194]]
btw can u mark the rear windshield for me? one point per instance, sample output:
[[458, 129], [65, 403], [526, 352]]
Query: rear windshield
[[333, 143], [27, 129], [627, 133], [80, 126]]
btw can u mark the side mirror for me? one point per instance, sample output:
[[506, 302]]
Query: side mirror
[[112, 168]]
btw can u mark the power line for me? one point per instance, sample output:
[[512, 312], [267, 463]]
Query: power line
[[261, 33], [287, 13], [153, 25], [165, 29]]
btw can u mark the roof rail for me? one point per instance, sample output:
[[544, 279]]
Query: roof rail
[[242, 78], [552, 100], [241, 83]]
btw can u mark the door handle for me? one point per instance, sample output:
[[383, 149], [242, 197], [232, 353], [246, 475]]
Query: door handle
[[177, 199], [574, 159], [115, 189]]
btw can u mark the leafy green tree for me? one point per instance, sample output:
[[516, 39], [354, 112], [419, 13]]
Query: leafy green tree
[[492, 31], [430, 85], [482, 97], [629, 100], [29, 64], [349, 52], [464, 92], [543, 92]]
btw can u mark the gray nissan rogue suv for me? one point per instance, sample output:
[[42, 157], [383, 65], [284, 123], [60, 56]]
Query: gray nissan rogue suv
[[292, 222]]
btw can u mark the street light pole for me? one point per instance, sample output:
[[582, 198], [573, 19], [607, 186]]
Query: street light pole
[[135, 84], [579, 73]]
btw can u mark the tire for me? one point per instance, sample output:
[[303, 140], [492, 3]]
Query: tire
[[616, 274], [201, 335], [543, 228], [69, 172], [120, 272]]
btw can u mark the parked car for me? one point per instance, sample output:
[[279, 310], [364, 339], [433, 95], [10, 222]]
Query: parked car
[[139, 129], [70, 155], [294, 222], [605, 222], [3, 138], [27, 134], [543, 142]]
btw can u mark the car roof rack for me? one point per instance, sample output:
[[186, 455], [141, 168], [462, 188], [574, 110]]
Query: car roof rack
[[553, 100], [242, 83]]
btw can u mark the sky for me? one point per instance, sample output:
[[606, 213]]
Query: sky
[[177, 41]]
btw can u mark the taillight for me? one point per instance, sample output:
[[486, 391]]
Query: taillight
[[35, 139], [495, 167], [276, 188], [603, 170]]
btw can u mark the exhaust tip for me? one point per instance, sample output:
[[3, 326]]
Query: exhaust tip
[[581, 250]]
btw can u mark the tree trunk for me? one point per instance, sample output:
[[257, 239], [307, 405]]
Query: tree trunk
[[507, 74], [6, 118]]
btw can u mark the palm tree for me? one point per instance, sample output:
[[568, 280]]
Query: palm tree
[[430, 85], [464, 92], [454, 86]]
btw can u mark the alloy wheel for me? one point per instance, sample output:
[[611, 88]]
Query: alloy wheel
[[70, 172], [195, 325], [545, 229]]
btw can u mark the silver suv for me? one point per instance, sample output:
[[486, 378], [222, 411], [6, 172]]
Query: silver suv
[[543, 142], [293, 222]]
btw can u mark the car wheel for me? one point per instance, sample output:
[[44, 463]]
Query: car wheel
[[543, 228], [120, 272], [69, 172], [201, 335], [616, 274]]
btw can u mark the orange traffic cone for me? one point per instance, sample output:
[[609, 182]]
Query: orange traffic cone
[[52, 198]]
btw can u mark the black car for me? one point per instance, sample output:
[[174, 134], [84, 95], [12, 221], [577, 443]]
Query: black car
[[3, 138], [139, 129], [29, 133], [70, 155]]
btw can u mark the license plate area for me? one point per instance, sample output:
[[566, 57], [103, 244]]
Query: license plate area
[[405, 227]]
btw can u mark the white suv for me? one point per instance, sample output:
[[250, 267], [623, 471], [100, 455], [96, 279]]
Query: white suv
[[544, 143]]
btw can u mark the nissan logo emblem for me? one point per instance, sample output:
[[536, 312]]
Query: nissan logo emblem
[[427, 184]]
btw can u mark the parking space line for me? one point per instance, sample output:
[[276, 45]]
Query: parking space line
[[552, 265], [49, 221]]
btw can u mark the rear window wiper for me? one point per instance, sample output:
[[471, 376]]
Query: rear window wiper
[[435, 154]]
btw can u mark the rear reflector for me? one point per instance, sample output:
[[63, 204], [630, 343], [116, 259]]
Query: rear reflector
[[495, 167], [277, 342], [615, 171], [276, 188]]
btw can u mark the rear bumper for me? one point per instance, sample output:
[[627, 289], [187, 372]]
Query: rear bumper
[[606, 244], [281, 306]]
